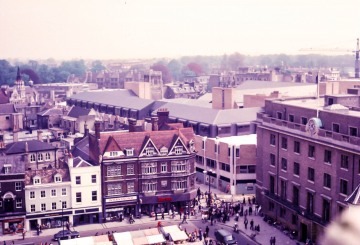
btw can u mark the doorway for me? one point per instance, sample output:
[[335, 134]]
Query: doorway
[[303, 230]]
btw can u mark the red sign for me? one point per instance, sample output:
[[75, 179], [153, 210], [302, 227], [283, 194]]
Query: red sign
[[164, 199]]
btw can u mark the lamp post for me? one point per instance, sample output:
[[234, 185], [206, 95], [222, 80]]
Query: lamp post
[[62, 215], [210, 171]]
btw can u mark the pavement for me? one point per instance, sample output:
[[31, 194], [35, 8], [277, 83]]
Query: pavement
[[263, 237]]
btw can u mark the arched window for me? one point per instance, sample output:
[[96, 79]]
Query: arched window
[[32, 158], [40, 158], [47, 156]]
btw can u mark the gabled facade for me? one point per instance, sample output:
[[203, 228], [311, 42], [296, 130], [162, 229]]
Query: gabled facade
[[48, 198], [85, 191], [144, 172]]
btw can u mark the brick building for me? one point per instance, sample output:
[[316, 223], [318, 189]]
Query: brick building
[[308, 160], [147, 171]]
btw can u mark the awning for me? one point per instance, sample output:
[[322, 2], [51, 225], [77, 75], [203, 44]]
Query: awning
[[175, 233], [154, 239], [123, 238], [140, 241]]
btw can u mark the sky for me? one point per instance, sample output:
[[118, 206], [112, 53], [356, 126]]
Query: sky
[[132, 29]]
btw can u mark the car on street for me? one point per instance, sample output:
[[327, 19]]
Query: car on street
[[225, 237], [66, 234]]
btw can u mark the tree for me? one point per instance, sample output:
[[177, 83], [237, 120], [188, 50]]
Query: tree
[[235, 60], [195, 68], [166, 76], [97, 66], [174, 68]]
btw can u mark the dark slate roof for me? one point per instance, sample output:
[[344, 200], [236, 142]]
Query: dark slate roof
[[46, 175], [77, 111], [118, 97], [33, 146], [7, 108], [209, 115], [4, 98], [81, 148]]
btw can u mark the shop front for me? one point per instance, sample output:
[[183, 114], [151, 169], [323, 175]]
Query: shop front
[[9, 225], [48, 221], [87, 216], [119, 206], [164, 203]]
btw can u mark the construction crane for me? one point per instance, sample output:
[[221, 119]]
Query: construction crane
[[356, 51]]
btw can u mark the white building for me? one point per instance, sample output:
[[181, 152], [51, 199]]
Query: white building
[[85, 191], [232, 161], [48, 198]]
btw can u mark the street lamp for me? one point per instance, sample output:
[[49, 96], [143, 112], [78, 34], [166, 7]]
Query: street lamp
[[209, 172], [62, 215]]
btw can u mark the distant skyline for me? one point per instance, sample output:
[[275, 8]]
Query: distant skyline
[[131, 29]]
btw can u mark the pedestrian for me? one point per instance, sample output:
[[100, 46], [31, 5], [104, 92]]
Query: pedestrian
[[121, 217], [245, 223], [23, 233], [207, 229], [180, 214], [200, 235], [252, 224], [274, 240], [250, 210], [162, 215], [271, 240], [156, 215], [4, 243], [184, 220]]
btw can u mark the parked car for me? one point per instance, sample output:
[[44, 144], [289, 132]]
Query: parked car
[[66, 234], [225, 237]]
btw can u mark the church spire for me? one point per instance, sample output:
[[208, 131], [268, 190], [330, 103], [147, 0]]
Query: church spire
[[18, 76]]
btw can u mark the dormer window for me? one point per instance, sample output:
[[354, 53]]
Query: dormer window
[[114, 153], [40, 158], [32, 158], [37, 180], [129, 152], [163, 151], [7, 168], [57, 178], [149, 151], [178, 150]]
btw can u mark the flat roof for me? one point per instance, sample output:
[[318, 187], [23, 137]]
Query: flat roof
[[250, 139]]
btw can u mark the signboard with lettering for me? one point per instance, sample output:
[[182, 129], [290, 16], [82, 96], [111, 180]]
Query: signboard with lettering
[[121, 199], [164, 199]]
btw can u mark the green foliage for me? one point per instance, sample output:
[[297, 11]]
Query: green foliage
[[97, 66]]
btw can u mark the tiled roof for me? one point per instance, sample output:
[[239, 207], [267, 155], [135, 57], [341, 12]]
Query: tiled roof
[[51, 111], [46, 175], [33, 146], [136, 140], [4, 98], [7, 108], [81, 148], [354, 197]]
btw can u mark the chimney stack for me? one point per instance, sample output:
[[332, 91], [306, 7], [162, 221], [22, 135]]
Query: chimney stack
[[15, 137], [86, 130], [70, 160], [163, 115], [26, 147], [39, 135], [97, 130], [132, 124], [154, 122]]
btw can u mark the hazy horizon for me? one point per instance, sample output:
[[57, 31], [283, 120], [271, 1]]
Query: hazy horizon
[[143, 29]]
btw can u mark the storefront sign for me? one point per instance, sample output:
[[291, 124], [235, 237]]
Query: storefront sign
[[164, 199], [121, 199], [114, 209]]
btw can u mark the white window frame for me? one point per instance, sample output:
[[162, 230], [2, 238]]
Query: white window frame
[[18, 203], [53, 206], [43, 206], [179, 166], [129, 152], [78, 180], [114, 153], [47, 156], [149, 186], [7, 168], [63, 190], [114, 170], [63, 204], [130, 170], [149, 151], [37, 180], [42, 192], [93, 177], [32, 195], [76, 197], [57, 178], [179, 150], [18, 186], [114, 189], [53, 193], [32, 158], [130, 187], [40, 157], [94, 194], [179, 184], [149, 168], [32, 208], [164, 167]]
